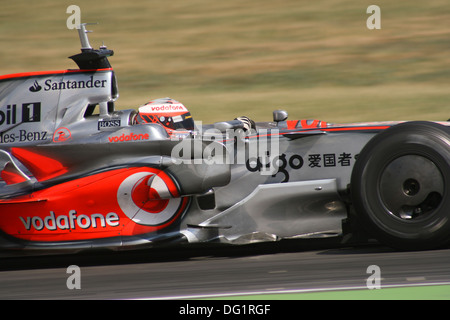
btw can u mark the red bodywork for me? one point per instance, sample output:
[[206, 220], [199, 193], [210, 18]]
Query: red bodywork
[[105, 204]]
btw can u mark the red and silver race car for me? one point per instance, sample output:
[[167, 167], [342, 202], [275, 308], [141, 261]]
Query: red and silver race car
[[78, 174]]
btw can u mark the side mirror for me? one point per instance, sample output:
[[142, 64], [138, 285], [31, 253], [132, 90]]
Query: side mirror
[[280, 115], [228, 125]]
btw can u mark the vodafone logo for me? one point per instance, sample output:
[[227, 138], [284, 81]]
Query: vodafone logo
[[163, 108], [145, 205], [72, 221], [168, 108], [129, 137]]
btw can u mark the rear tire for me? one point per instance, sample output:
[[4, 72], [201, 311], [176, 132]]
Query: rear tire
[[400, 186]]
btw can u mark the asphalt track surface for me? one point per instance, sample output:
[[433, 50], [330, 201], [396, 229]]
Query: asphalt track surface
[[194, 272]]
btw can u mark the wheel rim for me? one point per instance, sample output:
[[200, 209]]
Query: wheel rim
[[411, 187]]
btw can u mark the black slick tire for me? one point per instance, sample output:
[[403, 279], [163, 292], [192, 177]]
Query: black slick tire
[[400, 186]]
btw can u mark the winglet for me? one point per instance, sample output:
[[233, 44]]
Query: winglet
[[42, 167], [11, 175]]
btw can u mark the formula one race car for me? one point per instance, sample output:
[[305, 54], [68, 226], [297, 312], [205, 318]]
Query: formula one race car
[[78, 174]]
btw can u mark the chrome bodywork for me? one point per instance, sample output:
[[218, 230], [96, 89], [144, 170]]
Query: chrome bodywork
[[298, 189]]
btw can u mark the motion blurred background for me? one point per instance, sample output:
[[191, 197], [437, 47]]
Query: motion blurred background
[[222, 59]]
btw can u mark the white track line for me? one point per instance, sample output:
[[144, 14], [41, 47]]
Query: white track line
[[248, 293]]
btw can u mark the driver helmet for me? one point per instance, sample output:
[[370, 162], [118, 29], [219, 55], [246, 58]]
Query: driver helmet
[[167, 112]]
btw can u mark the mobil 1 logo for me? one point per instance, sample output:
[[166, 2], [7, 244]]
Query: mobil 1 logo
[[13, 115]]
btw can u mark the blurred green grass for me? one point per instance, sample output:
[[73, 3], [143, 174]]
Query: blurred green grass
[[223, 59]]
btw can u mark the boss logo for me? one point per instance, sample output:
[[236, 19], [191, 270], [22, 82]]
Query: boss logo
[[109, 124]]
